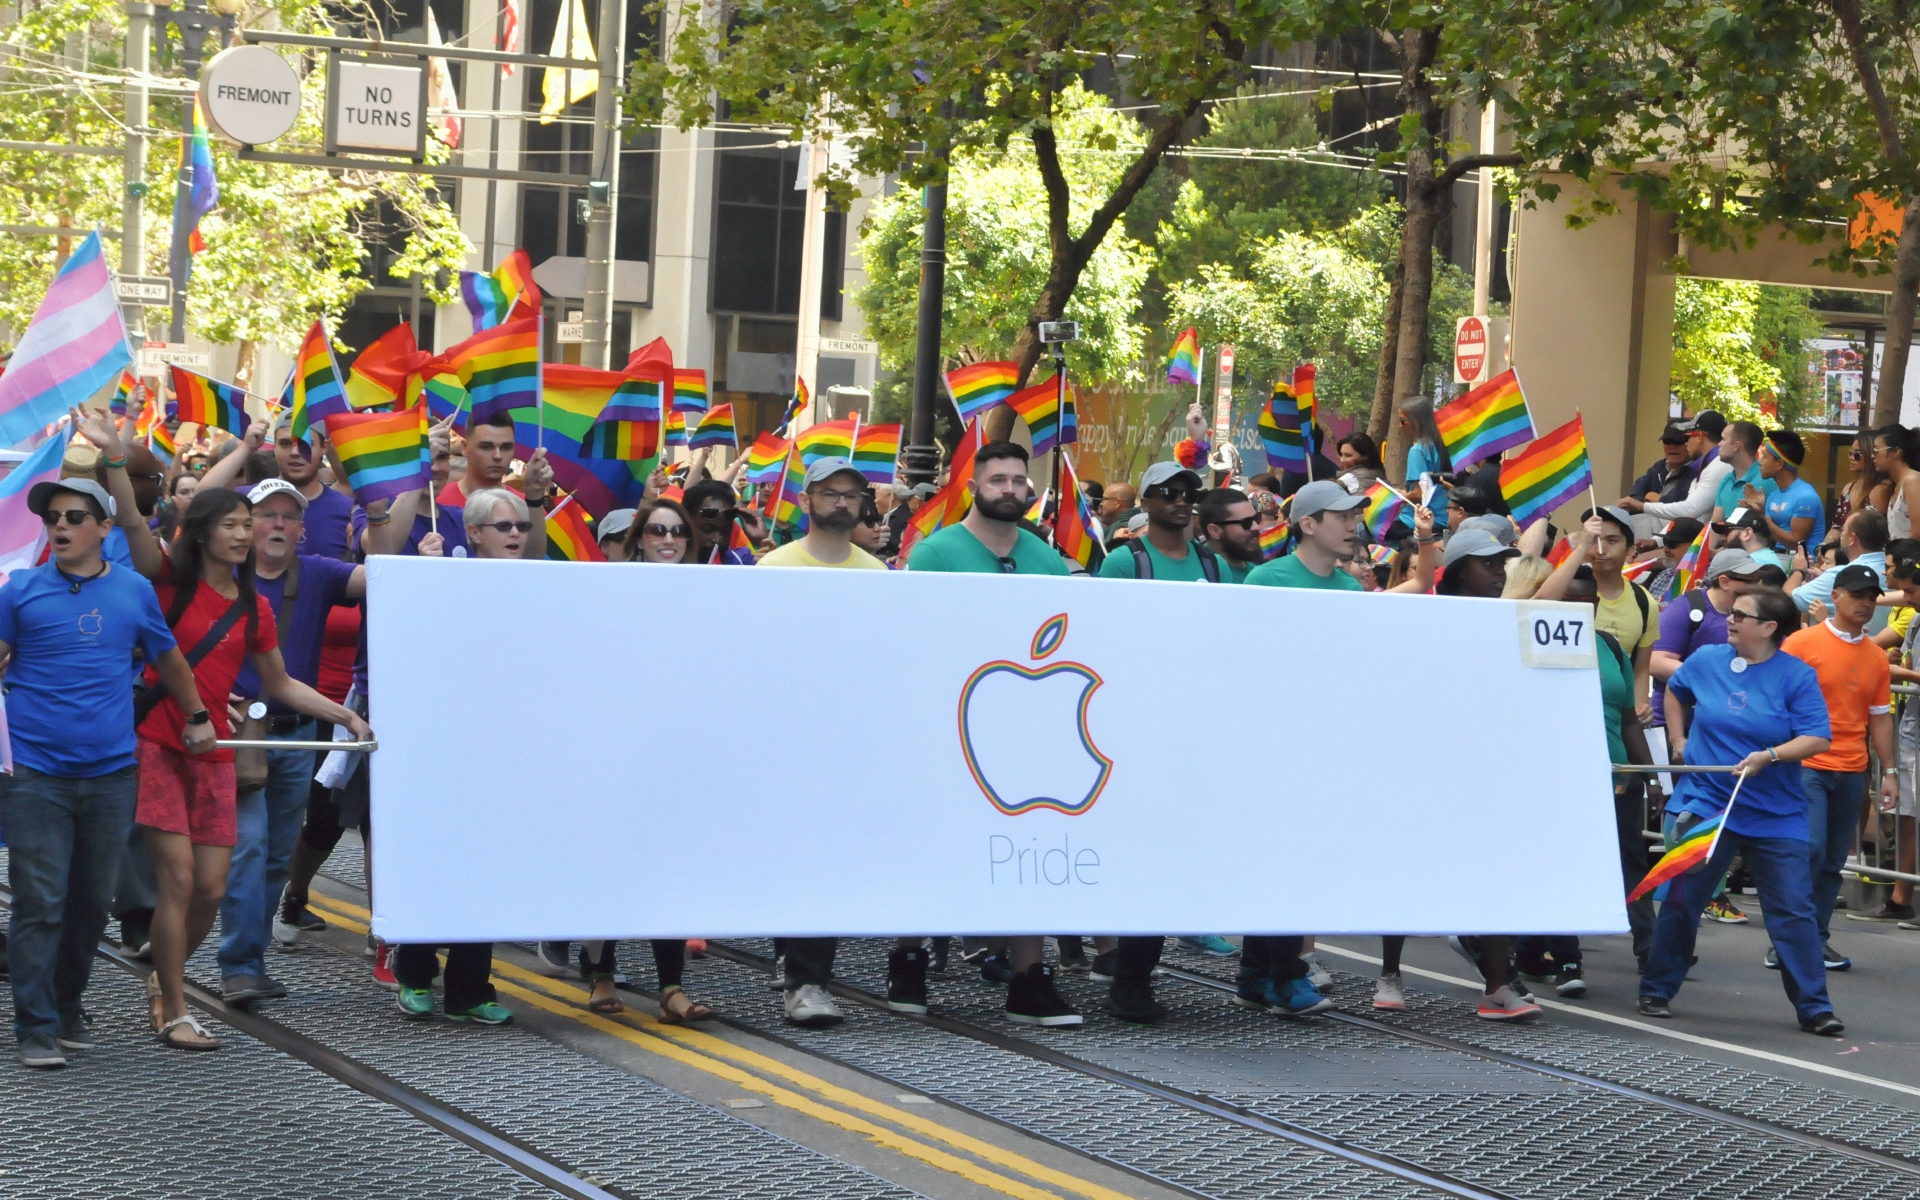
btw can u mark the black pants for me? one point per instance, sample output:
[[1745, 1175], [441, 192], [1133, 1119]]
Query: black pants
[[469, 971], [809, 960], [669, 960], [1630, 822], [1275, 957], [1136, 957], [1531, 952]]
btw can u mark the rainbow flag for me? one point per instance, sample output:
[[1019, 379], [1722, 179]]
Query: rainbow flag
[[161, 443], [676, 428], [566, 423], [143, 424], [1487, 420], [1384, 507], [446, 396], [765, 459], [1692, 851], [130, 392], [1183, 361], [1038, 508], [948, 505], [826, 439], [1280, 431], [1691, 570], [792, 482], [75, 346], [876, 451], [385, 453], [500, 368], [1550, 472], [202, 194], [379, 376], [737, 539], [569, 537], [977, 387], [210, 404], [492, 298], [1303, 377], [799, 401], [1069, 423], [622, 412], [689, 390], [1381, 556], [316, 390], [1272, 538], [1039, 407], [1072, 524], [716, 427]]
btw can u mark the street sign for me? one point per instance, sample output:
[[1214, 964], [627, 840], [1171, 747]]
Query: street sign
[[250, 95], [375, 107], [1223, 396], [143, 289], [848, 346], [1479, 349], [156, 357], [570, 333]]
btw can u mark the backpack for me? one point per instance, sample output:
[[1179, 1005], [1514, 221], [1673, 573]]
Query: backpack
[[1143, 564]]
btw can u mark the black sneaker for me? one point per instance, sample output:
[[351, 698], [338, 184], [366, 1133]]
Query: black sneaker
[[1887, 912], [1569, 982], [938, 966], [994, 968], [136, 934], [1825, 1025], [1835, 960], [1032, 999], [1131, 1000], [1104, 965], [272, 989], [907, 981], [1654, 1006], [294, 919]]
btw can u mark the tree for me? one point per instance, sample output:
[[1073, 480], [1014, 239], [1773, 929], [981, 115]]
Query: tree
[[1733, 115], [1737, 346]]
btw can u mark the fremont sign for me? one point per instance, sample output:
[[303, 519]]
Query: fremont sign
[[250, 95]]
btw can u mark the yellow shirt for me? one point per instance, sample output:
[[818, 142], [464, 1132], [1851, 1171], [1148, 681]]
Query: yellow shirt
[[1898, 622], [1620, 617], [794, 554]]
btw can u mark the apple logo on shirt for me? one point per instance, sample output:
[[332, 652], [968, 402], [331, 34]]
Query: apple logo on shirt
[[91, 624], [1736, 701]]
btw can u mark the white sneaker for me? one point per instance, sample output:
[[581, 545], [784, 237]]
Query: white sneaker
[[810, 1006], [1388, 993], [1505, 1004], [777, 982], [1317, 973], [285, 934], [553, 958]]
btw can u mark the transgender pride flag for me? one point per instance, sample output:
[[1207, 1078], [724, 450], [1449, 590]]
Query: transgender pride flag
[[22, 536], [75, 346]]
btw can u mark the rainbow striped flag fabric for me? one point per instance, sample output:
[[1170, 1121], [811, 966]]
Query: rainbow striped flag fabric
[[1303, 378], [500, 368], [977, 387], [160, 442], [1273, 538], [766, 459], [1281, 433], [74, 347], [1691, 851], [1381, 556], [1550, 472], [1692, 567], [793, 478], [622, 412], [208, 403], [716, 427], [446, 396], [385, 453], [491, 299], [569, 536], [202, 195], [1486, 421], [128, 393], [1072, 523], [825, 439], [689, 390], [379, 376], [794, 406], [316, 391], [1384, 507], [1039, 407], [1183, 361], [948, 505], [876, 451], [565, 422]]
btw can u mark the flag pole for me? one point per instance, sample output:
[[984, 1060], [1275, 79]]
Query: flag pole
[[540, 362]]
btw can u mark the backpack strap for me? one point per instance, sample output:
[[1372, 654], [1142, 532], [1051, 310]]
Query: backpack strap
[[1646, 606], [1209, 562], [1142, 565], [1619, 654]]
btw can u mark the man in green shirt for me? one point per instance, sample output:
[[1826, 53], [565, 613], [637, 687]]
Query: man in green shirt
[[990, 541], [1326, 525], [1231, 529], [1166, 550]]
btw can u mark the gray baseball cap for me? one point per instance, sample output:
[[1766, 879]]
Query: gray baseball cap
[[42, 494], [1324, 495], [1611, 512], [825, 468], [1731, 562], [276, 487], [1474, 543], [613, 524], [1498, 526], [1166, 472]]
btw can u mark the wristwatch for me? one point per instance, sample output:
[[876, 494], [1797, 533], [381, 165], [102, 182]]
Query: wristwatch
[[199, 718]]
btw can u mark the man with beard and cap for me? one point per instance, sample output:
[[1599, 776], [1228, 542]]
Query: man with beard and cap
[[835, 490], [1168, 494]]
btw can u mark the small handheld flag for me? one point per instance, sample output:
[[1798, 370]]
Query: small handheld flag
[[1692, 851], [676, 428], [1280, 431], [977, 387], [1272, 539], [316, 389], [385, 454], [1039, 407], [75, 345], [689, 390], [1692, 567], [491, 299], [1072, 524], [827, 439], [207, 403], [129, 393], [1486, 421], [1384, 507], [948, 505], [1303, 377], [716, 427], [1183, 361], [1550, 472], [160, 442], [500, 368], [569, 537], [765, 459], [379, 376], [876, 451], [202, 194]]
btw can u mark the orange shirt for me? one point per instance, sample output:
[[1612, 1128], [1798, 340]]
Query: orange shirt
[[1857, 682]]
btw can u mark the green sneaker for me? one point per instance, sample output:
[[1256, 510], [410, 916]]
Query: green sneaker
[[485, 1013], [417, 1003]]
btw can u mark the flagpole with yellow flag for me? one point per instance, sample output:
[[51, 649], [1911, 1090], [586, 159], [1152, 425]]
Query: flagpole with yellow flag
[[564, 86]]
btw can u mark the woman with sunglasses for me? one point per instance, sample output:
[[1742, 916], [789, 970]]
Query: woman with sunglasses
[[1868, 488], [662, 532], [1893, 455], [1746, 704]]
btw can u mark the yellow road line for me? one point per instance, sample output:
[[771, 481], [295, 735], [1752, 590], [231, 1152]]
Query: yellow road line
[[701, 1051]]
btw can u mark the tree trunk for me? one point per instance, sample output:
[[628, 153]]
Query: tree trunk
[[1424, 196], [1892, 384], [1380, 418]]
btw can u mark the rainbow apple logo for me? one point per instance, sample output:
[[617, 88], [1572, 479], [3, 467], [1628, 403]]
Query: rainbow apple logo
[[1009, 718]]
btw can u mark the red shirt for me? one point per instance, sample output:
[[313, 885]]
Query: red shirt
[[215, 674], [337, 652]]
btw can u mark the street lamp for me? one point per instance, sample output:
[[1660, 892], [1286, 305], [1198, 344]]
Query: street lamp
[[196, 23]]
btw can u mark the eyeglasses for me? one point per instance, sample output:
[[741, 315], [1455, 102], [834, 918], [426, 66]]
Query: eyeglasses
[[713, 514], [75, 517], [509, 526], [1174, 495], [832, 496], [1246, 523], [1735, 614], [675, 531]]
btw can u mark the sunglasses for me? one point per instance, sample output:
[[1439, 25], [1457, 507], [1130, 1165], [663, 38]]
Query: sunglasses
[[1175, 495], [75, 517], [675, 531], [1736, 615], [1246, 523], [713, 514], [509, 526]]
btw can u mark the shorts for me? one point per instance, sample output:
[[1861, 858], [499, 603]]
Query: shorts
[[185, 795], [1908, 769]]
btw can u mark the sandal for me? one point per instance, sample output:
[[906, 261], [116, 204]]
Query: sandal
[[195, 1037], [694, 1011], [606, 1006], [155, 1012]]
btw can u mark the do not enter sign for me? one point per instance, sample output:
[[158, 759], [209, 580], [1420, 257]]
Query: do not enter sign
[[1470, 349]]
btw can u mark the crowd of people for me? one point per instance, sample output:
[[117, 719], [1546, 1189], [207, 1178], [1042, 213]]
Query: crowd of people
[[180, 607]]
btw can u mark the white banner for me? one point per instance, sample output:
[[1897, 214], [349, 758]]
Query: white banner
[[588, 751]]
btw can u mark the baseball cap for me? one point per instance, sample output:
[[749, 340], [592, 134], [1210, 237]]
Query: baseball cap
[[1324, 495], [1136, 522], [613, 524], [1166, 472], [1474, 543], [1709, 422], [42, 494], [1731, 562], [1674, 433], [276, 487], [1857, 577], [1611, 512], [1739, 518], [1491, 523], [925, 491], [825, 468]]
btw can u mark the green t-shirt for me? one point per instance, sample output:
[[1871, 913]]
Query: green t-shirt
[[1289, 571], [1234, 572], [1616, 693], [1119, 564], [956, 549]]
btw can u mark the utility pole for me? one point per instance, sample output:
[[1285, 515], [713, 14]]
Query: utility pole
[[921, 456], [195, 24], [133, 240], [602, 204], [1483, 217], [813, 240]]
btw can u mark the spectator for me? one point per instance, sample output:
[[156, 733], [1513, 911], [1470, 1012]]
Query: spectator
[[1793, 515], [911, 498], [1867, 489], [712, 505], [1426, 451], [1899, 904], [1667, 480], [1740, 450], [1359, 461], [1118, 506], [1673, 547], [1705, 471], [1863, 539], [1893, 458], [1745, 529]]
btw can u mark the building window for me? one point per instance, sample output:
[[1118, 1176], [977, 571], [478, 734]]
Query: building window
[[759, 227]]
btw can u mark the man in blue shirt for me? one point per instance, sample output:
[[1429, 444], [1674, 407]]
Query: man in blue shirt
[[1739, 449], [1863, 539], [1794, 514], [72, 625]]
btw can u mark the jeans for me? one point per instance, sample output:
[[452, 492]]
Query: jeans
[[268, 824], [1833, 813], [66, 837], [1780, 870]]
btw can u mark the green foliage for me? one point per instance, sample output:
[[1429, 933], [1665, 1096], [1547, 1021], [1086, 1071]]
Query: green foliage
[[1737, 344], [1784, 324]]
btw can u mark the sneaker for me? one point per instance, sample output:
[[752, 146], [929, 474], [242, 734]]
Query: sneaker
[[294, 918], [1772, 961], [487, 1012], [995, 969], [38, 1051], [907, 981], [76, 1034], [1075, 963], [1211, 944], [553, 958], [1656, 1006], [1825, 1025], [1569, 981], [1295, 998], [1032, 999], [938, 966], [1132, 1001], [1104, 965], [1389, 993], [416, 1004], [1505, 1004], [383, 969], [779, 981], [1836, 961], [271, 988], [372, 945], [1469, 949], [810, 1007], [240, 991], [1722, 910], [1888, 912], [1317, 973]]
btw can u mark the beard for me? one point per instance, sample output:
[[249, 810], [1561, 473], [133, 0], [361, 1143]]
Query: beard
[[837, 521], [1002, 508]]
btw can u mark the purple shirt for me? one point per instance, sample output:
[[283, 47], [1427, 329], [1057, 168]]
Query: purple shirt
[[1682, 635], [303, 628], [326, 527]]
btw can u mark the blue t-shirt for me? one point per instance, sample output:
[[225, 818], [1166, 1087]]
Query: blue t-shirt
[[69, 695], [1422, 458], [1736, 713], [114, 549], [1798, 499], [323, 584], [1735, 484]]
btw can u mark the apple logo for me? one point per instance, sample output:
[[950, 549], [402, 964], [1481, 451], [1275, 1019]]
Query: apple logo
[[1024, 731], [90, 622]]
